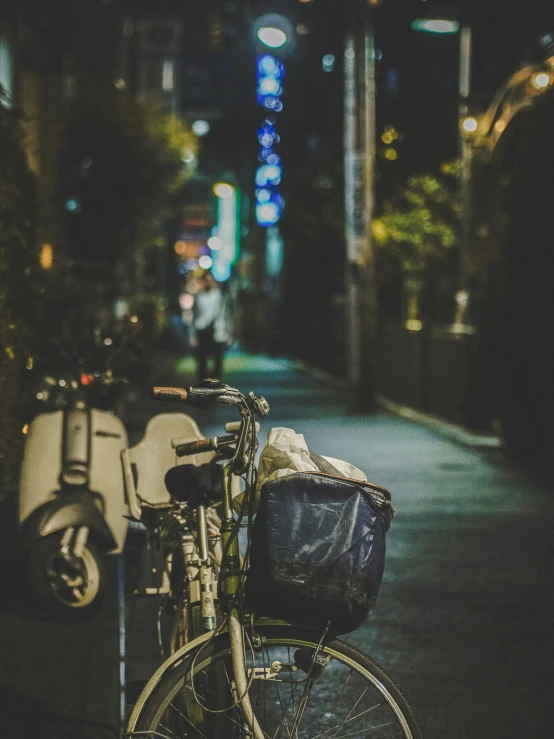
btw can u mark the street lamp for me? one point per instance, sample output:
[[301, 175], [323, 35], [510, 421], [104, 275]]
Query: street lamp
[[469, 124], [541, 80], [274, 31], [272, 37], [435, 25], [442, 24]]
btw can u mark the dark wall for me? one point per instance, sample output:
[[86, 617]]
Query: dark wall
[[526, 370]]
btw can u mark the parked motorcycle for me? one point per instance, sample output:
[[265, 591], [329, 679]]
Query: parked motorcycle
[[72, 509]]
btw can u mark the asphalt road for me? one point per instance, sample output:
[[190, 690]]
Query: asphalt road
[[464, 617]]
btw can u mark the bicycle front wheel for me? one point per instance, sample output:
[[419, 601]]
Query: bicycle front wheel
[[341, 694]]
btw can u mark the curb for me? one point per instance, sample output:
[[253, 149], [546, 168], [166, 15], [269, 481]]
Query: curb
[[456, 433], [451, 430], [318, 374]]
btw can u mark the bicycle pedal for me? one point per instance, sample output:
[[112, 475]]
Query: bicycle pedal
[[307, 660], [150, 591]]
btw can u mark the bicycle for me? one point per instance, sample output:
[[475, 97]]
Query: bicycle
[[247, 676]]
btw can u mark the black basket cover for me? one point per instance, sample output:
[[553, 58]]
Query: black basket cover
[[318, 550]]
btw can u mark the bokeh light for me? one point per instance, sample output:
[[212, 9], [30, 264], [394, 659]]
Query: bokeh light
[[46, 256], [435, 25], [272, 37], [215, 243], [205, 262], [541, 80], [223, 190], [267, 214], [186, 301], [469, 124], [201, 128], [328, 62]]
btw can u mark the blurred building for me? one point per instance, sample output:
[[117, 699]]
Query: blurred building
[[181, 53]]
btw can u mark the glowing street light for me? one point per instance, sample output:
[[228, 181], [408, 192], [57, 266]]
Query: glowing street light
[[201, 128], [541, 80], [274, 38], [469, 124], [435, 25], [274, 31], [223, 190]]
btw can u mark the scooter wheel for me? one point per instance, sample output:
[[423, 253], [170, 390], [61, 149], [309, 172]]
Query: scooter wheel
[[69, 589]]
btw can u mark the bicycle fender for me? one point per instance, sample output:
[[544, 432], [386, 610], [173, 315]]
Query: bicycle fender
[[171, 660], [157, 676]]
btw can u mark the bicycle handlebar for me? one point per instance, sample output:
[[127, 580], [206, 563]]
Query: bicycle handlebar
[[170, 393], [215, 444], [195, 396]]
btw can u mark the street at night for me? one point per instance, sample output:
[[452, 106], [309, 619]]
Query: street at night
[[276, 361], [463, 617]]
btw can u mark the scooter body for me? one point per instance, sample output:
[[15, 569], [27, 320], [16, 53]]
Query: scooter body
[[71, 476], [72, 508]]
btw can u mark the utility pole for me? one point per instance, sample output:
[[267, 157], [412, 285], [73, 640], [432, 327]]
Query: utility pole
[[359, 186], [466, 153]]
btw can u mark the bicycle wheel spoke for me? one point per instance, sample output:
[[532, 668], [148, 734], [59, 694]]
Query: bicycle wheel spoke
[[294, 690], [283, 711], [182, 715], [348, 720], [335, 736], [366, 730], [291, 699], [299, 713], [166, 728], [338, 698]]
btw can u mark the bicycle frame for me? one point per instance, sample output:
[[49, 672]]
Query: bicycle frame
[[205, 592], [230, 575]]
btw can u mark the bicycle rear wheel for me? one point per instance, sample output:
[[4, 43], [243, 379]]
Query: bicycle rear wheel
[[344, 695]]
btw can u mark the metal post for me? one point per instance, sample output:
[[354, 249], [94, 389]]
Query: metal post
[[351, 182], [462, 297], [359, 161]]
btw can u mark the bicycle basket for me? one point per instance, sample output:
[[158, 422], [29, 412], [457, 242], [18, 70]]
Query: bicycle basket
[[318, 550]]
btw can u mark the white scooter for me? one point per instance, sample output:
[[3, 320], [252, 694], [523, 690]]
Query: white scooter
[[72, 508]]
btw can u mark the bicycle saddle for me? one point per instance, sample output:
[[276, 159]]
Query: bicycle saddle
[[195, 485]]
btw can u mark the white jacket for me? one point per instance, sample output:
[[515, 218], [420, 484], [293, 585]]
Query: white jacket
[[211, 307]]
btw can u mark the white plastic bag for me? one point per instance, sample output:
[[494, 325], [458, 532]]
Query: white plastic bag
[[286, 452]]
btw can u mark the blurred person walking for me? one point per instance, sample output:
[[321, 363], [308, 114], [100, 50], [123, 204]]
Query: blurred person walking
[[210, 331]]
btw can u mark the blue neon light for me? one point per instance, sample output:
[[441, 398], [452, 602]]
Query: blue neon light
[[269, 66], [269, 203], [268, 174], [267, 214]]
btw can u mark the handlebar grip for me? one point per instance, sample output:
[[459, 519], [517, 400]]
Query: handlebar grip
[[170, 393], [234, 427], [195, 447]]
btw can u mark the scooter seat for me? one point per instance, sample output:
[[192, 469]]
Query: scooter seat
[[196, 485]]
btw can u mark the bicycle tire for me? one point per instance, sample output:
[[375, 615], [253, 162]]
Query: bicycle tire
[[384, 713]]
